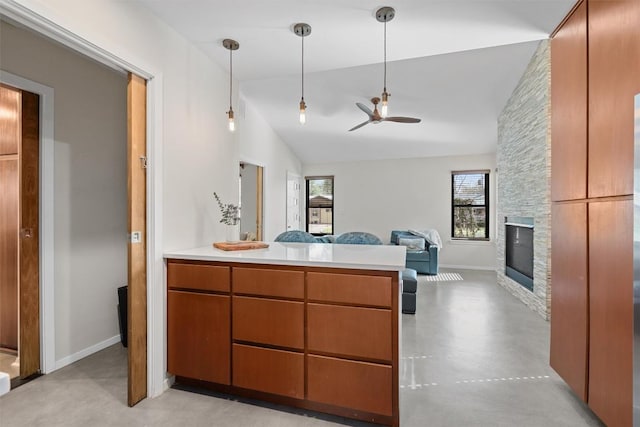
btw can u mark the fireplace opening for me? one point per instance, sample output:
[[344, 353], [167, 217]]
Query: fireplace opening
[[519, 251]]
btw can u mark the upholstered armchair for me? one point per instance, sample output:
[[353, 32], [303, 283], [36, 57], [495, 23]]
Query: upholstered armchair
[[358, 238], [294, 236]]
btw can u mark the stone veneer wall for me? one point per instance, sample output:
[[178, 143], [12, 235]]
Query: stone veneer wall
[[524, 173]]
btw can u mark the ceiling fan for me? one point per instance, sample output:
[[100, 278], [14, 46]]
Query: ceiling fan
[[375, 117]]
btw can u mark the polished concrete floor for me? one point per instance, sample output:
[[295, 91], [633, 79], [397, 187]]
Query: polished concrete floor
[[473, 355]]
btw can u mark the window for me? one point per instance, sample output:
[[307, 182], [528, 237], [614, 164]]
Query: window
[[319, 205], [470, 205]]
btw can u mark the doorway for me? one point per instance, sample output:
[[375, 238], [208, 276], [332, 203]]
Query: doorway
[[19, 227], [293, 201], [251, 201]]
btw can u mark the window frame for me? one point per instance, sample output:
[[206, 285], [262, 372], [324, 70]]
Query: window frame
[[306, 207], [486, 204]]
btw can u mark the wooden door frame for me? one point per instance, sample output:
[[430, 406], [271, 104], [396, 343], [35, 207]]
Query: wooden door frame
[[46, 218], [157, 380], [259, 195]]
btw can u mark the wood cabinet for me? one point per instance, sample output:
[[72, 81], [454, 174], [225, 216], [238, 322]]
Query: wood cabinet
[[320, 339], [614, 61], [611, 311], [570, 295], [198, 323], [269, 370], [569, 108], [198, 336], [269, 321], [592, 317], [358, 385]]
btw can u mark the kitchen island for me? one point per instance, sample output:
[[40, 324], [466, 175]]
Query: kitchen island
[[309, 325]]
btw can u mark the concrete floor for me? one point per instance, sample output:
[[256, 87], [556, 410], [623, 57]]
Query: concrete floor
[[473, 355]]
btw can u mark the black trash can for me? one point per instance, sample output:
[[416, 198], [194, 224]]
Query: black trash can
[[122, 314]]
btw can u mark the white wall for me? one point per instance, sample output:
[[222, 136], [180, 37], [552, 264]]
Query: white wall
[[380, 196], [90, 185], [259, 144], [200, 155]]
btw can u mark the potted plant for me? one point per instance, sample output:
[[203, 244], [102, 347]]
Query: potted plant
[[231, 218]]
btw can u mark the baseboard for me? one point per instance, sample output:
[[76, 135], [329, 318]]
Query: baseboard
[[468, 267], [86, 352]]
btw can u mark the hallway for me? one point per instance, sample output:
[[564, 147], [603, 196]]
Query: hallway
[[473, 355]]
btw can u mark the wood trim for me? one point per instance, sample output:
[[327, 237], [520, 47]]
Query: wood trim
[[29, 349], [561, 24], [596, 200], [259, 202], [137, 252]]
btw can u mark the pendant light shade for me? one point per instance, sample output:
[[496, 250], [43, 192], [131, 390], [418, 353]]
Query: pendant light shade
[[384, 15], [231, 45], [302, 30]]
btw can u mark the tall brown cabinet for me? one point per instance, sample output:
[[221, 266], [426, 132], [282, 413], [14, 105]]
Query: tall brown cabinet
[[595, 73]]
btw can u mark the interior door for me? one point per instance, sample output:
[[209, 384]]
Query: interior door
[[293, 201], [137, 228], [29, 350], [10, 101]]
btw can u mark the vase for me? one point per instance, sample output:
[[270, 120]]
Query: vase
[[233, 233]]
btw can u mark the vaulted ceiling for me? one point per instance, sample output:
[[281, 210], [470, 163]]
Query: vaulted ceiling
[[452, 63]]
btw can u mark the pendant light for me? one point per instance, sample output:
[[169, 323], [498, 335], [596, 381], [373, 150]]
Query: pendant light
[[231, 45], [384, 15], [302, 30]]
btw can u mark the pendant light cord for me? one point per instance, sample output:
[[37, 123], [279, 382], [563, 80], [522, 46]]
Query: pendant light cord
[[385, 56], [302, 90], [230, 77]]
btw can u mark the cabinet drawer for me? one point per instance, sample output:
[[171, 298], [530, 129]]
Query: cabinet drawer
[[277, 283], [198, 341], [196, 276], [350, 331], [349, 288], [357, 385], [268, 321], [271, 371]]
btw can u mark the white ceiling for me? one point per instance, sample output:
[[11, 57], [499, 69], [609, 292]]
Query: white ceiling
[[452, 63]]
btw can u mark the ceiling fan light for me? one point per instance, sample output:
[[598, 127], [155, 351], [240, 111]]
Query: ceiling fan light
[[384, 108], [232, 124], [303, 112]]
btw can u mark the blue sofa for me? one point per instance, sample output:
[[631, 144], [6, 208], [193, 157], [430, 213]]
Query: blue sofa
[[423, 261]]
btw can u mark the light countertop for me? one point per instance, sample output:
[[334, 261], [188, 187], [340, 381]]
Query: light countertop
[[363, 257]]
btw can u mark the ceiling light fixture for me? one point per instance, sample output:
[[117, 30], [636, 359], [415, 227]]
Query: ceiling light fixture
[[384, 15], [302, 30], [231, 45]]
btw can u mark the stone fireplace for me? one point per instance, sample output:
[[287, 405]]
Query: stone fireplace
[[523, 159]]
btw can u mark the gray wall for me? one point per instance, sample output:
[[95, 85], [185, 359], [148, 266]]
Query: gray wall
[[90, 189], [524, 172]]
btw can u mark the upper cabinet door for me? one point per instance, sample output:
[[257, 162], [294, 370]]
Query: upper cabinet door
[[614, 61], [569, 108]]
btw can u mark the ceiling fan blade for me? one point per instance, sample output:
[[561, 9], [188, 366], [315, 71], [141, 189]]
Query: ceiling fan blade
[[366, 109], [402, 119], [360, 125]]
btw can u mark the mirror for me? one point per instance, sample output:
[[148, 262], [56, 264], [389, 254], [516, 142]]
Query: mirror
[[250, 201]]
